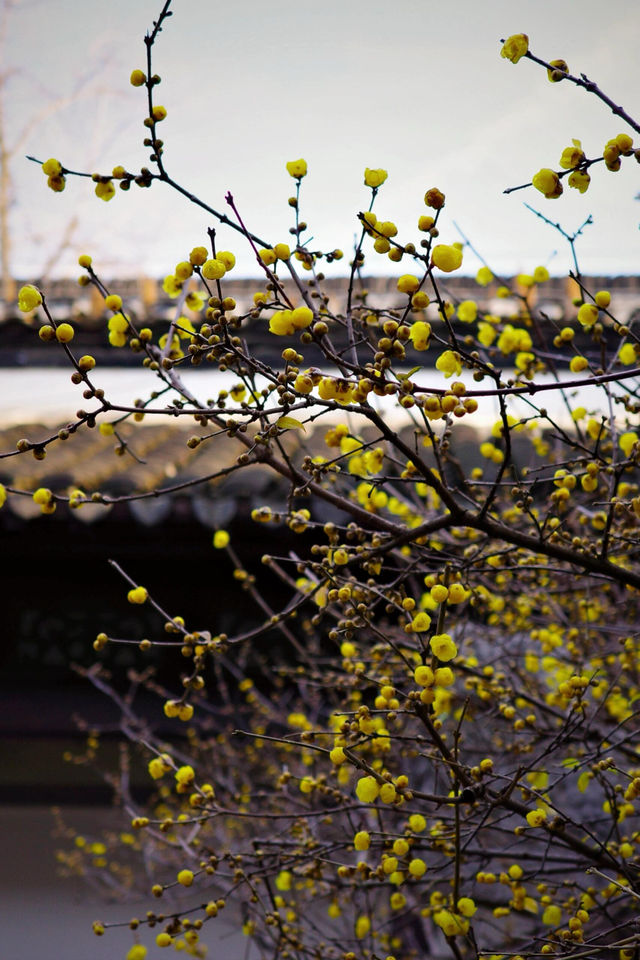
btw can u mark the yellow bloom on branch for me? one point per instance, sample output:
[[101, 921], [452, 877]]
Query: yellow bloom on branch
[[297, 169], [547, 182], [515, 47], [446, 258], [449, 363], [374, 178], [29, 298]]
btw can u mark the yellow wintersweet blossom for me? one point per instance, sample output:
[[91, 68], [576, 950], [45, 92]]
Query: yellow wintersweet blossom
[[540, 274], [213, 269], [434, 198], [514, 338], [443, 647], [450, 924], [627, 354], [367, 789], [547, 182], [572, 156], [55, 177], [106, 191], [515, 47], [419, 334], [449, 363], [579, 180], [486, 333], [374, 178], [297, 169], [627, 441], [407, 283], [29, 298], [467, 311], [587, 314], [484, 276], [137, 595], [446, 258], [559, 70], [535, 818]]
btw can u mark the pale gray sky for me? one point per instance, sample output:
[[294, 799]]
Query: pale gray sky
[[415, 86]]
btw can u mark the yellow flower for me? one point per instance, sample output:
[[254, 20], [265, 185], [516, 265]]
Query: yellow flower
[[449, 363], [374, 178], [213, 269], [421, 622], [185, 775], [363, 925], [283, 880], [64, 333], [572, 156], [29, 298], [137, 595], [443, 647], [301, 317], [624, 143], [434, 198], [540, 274], [425, 223], [157, 768], [450, 924], [226, 258], [105, 190], [420, 300], [185, 877], [172, 286], [484, 276], [417, 822], [446, 258], [423, 676], [367, 789], [282, 251], [587, 314], [419, 334], [515, 47], [627, 442], [407, 283], [457, 593], [552, 916], [548, 183], [486, 333], [559, 71], [52, 167], [220, 539], [297, 169], [579, 180], [466, 906], [281, 323], [137, 952], [362, 840], [627, 354], [137, 78], [467, 311], [535, 818], [578, 364], [387, 793]]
